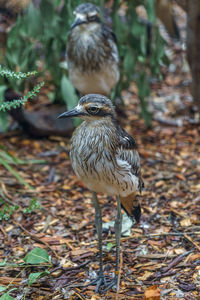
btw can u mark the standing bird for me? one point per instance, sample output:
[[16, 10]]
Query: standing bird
[[92, 53], [105, 158]]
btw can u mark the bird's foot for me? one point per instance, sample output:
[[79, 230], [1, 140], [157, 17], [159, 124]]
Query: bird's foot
[[110, 284], [99, 281]]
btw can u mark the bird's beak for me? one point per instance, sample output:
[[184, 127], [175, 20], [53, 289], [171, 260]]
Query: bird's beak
[[77, 21], [70, 113]]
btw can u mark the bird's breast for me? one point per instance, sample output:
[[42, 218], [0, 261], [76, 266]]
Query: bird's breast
[[94, 160]]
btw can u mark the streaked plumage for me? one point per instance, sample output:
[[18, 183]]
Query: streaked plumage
[[104, 156], [92, 53]]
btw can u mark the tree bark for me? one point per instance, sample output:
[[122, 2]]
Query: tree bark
[[193, 47]]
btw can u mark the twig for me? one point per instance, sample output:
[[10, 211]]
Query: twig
[[34, 237], [156, 256], [175, 262], [166, 271], [191, 241], [80, 296], [151, 235], [71, 268], [159, 275], [6, 192], [3, 231], [47, 222], [5, 198]]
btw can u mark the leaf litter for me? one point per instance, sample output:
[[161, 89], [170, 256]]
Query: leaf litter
[[160, 255]]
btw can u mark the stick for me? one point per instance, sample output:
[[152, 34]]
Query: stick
[[34, 237], [191, 241]]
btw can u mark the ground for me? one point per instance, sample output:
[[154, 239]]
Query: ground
[[161, 256]]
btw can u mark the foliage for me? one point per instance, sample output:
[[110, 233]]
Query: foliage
[[33, 205], [6, 159], [8, 105], [35, 257], [39, 38], [6, 210], [6, 296], [141, 49]]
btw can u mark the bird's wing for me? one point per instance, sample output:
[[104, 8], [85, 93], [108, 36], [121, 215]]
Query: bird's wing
[[127, 151], [108, 33]]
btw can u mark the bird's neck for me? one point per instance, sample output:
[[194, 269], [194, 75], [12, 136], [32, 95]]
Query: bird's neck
[[107, 121], [83, 45], [84, 33]]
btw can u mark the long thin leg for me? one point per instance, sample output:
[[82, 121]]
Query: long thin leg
[[98, 224], [100, 280], [118, 228]]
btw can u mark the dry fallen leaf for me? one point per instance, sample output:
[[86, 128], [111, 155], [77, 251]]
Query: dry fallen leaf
[[185, 222], [152, 293]]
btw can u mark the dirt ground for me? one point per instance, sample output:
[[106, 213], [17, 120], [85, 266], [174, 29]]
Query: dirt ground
[[160, 255]]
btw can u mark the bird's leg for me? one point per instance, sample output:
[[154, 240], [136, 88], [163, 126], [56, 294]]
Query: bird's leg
[[118, 228], [100, 280]]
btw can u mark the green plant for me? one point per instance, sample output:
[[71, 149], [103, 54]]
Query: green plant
[[6, 159], [14, 77], [37, 257], [33, 205], [6, 210], [39, 37], [141, 53]]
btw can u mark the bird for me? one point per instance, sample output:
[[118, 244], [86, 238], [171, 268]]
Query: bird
[[105, 158], [92, 53]]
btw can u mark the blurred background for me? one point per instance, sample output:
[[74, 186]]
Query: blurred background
[[44, 206], [33, 37]]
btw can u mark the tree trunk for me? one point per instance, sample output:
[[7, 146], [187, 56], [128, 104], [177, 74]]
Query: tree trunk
[[193, 47]]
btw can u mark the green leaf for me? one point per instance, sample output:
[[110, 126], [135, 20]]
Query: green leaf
[[3, 120], [144, 93], [18, 102], [6, 296], [33, 205], [109, 246], [37, 256], [15, 173], [129, 63], [69, 96], [68, 93], [34, 276], [9, 158], [150, 7], [18, 75], [47, 11], [34, 21], [2, 92], [2, 263], [2, 288]]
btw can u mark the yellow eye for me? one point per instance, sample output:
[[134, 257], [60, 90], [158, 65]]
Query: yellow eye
[[93, 110], [92, 18]]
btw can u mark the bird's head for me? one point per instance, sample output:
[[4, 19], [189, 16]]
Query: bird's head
[[85, 14], [92, 107]]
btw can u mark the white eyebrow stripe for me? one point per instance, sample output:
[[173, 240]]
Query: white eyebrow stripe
[[80, 16], [92, 13]]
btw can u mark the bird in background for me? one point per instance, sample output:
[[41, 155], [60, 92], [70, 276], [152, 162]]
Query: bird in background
[[105, 158], [92, 54]]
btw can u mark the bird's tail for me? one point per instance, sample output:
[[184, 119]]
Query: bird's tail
[[131, 205]]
